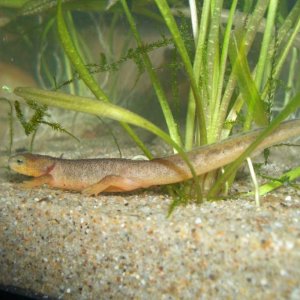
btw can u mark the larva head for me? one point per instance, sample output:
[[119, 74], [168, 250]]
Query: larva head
[[31, 164]]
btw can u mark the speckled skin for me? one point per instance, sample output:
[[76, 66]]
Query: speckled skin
[[92, 176]]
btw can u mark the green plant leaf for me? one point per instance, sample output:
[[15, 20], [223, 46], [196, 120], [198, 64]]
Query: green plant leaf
[[12, 3], [246, 83], [291, 107], [75, 58], [278, 182], [170, 22], [84, 74], [172, 126]]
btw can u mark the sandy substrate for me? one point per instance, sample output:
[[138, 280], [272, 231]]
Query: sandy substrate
[[66, 246]]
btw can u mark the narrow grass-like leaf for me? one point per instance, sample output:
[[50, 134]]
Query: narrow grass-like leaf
[[253, 20], [289, 22], [224, 56], [198, 69], [194, 19], [12, 4], [213, 59], [247, 85], [283, 55], [293, 72], [269, 29], [170, 22], [75, 58], [172, 126], [84, 74], [276, 183], [292, 106], [84, 104]]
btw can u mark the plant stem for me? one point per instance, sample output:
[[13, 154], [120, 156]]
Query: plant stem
[[172, 126], [86, 76], [194, 19], [198, 71], [292, 106], [170, 22]]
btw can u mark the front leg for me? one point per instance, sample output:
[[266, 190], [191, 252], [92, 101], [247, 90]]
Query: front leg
[[112, 183], [37, 181]]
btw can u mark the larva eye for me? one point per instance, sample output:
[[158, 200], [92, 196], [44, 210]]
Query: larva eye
[[20, 161]]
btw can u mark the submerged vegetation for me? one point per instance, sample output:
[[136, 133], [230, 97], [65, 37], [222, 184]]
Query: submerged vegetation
[[237, 61]]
